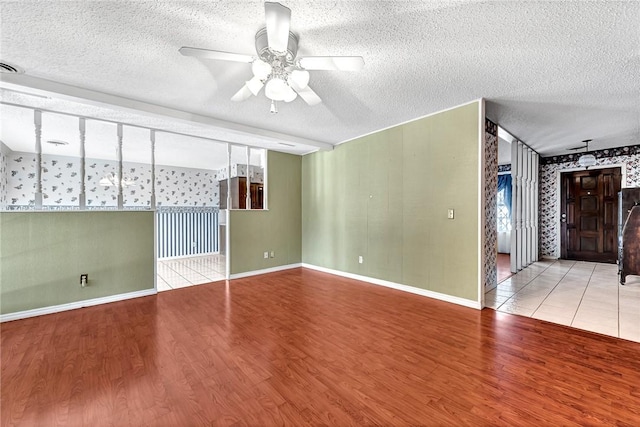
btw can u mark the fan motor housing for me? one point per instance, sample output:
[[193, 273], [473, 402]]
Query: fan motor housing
[[267, 55]]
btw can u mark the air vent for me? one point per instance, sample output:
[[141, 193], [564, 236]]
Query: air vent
[[7, 68]]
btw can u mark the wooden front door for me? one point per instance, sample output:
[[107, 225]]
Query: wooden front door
[[589, 215]]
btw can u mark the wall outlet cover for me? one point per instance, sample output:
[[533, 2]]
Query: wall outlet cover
[[266, 255]]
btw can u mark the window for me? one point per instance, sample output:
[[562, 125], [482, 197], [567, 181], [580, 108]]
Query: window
[[504, 217]]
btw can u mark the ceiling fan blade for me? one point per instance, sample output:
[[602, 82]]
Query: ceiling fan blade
[[215, 54], [278, 18], [306, 93], [340, 63], [242, 94], [252, 87]]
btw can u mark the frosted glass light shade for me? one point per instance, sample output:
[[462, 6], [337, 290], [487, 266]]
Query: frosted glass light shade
[[260, 69], [300, 78], [276, 89], [290, 94], [587, 160]]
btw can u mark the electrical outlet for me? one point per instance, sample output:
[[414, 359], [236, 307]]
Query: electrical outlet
[[360, 259], [273, 254], [266, 255], [450, 214], [84, 280]]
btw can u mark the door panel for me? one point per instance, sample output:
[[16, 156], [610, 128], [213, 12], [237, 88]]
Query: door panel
[[588, 214]]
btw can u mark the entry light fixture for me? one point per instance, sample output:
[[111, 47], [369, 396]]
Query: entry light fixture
[[587, 159]]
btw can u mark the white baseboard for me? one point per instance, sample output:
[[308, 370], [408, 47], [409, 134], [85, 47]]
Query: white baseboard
[[74, 305], [264, 271], [400, 287]]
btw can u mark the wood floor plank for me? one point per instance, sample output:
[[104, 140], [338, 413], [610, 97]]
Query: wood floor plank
[[300, 347]]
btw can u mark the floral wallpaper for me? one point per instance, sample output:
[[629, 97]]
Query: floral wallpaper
[[3, 178], [61, 183], [549, 209], [491, 207], [629, 150]]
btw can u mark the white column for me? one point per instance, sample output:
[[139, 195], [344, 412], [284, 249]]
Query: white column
[[519, 207], [536, 218], [152, 136], [37, 121], [514, 206], [119, 174], [248, 199], [82, 202], [528, 193], [228, 183]]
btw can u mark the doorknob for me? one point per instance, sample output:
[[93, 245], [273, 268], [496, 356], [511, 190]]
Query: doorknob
[[563, 216], [563, 220]]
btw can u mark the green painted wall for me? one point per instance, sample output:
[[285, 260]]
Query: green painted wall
[[385, 196], [278, 229], [42, 255]]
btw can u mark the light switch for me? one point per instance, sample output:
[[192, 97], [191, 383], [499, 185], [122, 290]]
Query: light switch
[[450, 214]]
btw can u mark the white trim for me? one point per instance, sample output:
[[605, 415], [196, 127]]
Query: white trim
[[559, 172], [264, 271], [482, 219], [409, 121], [155, 253], [74, 305], [405, 288]]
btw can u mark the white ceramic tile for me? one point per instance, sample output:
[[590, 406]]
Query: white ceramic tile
[[559, 317], [585, 294]]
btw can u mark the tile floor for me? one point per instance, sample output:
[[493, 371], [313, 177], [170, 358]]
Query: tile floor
[[183, 272], [584, 295]]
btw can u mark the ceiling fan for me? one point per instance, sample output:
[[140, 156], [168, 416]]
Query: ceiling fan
[[276, 67]]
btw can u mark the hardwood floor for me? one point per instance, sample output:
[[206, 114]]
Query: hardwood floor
[[503, 267], [301, 347]]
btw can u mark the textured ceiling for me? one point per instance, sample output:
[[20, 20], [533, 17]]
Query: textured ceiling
[[553, 73]]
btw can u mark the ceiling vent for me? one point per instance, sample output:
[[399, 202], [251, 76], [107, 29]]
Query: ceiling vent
[[7, 68]]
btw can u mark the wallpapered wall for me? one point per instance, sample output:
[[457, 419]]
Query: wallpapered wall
[[491, 208], [175, 186], [549, 209], [3, 178]]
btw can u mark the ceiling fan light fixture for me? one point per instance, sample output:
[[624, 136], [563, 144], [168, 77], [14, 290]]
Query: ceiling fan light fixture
[[300, 78], [276, 89], [261, 69]]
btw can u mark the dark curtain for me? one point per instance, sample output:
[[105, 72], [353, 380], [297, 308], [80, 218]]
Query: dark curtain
[[504, 182]]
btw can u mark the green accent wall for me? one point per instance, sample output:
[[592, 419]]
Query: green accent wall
[[277, 229], [42, 255], [385, 197]]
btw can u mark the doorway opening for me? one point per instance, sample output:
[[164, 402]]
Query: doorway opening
[[504, 204]]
